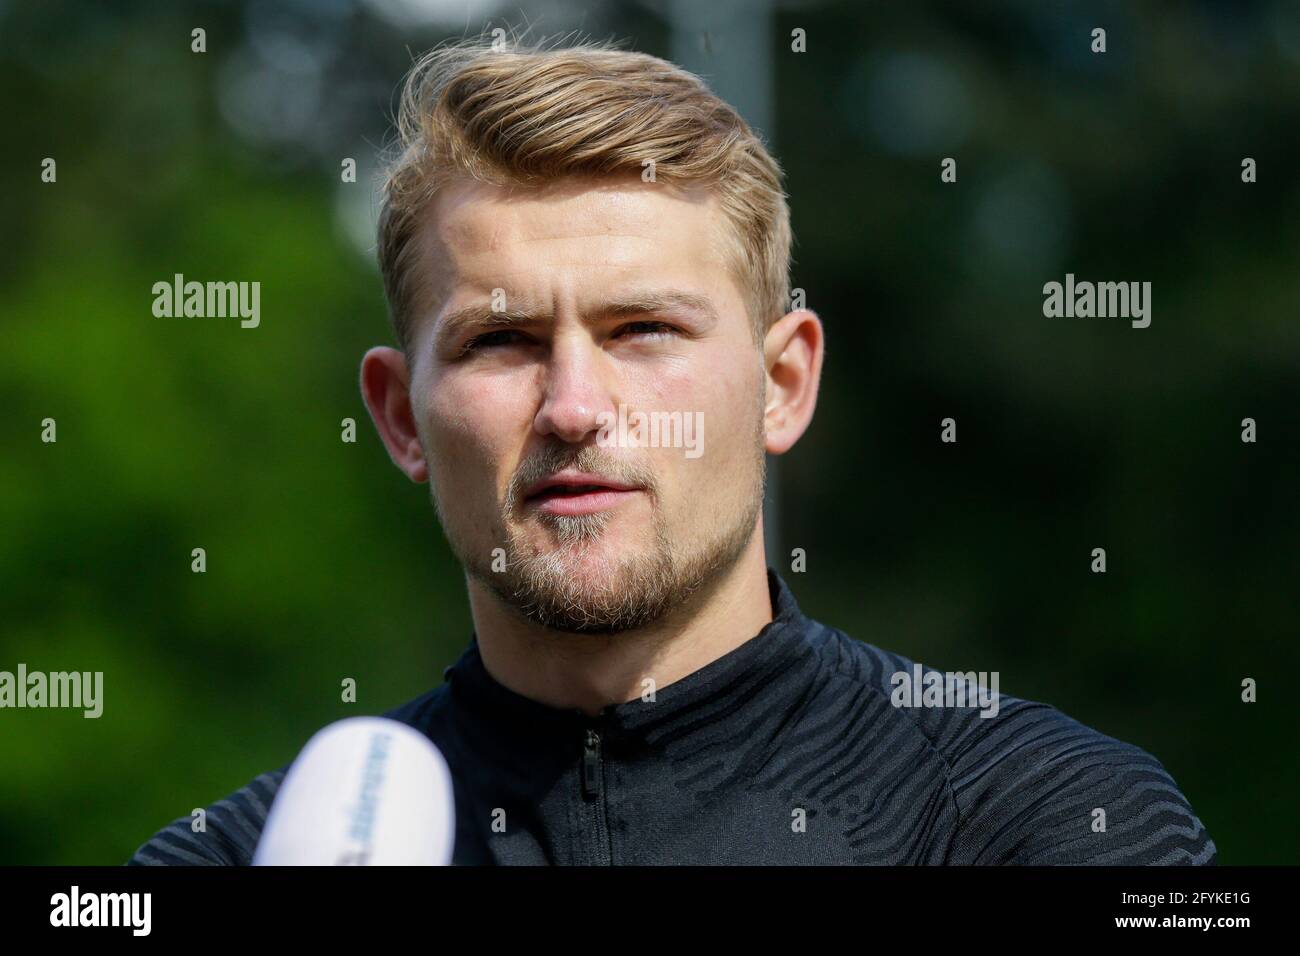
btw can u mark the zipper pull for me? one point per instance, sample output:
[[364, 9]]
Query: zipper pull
[[591, 764]]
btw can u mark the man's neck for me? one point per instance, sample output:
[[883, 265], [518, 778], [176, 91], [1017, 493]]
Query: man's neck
[[589, 671]]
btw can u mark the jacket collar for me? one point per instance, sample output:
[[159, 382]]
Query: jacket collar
[[777, 661]]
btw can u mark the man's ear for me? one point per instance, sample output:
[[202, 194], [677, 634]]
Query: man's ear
[[792, 352], [386, 387]]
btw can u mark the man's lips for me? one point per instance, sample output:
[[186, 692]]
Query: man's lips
[[577, 492]]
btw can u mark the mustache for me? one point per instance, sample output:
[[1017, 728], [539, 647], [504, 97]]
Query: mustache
[[589, 458]]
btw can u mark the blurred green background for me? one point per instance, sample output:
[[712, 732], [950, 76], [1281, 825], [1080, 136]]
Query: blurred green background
[[325, 563]]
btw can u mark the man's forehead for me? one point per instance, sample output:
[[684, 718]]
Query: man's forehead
[[476, 229]]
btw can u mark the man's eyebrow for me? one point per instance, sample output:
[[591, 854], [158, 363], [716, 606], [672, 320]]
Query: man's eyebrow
[[483, 316], [636, 303], [639, 303]]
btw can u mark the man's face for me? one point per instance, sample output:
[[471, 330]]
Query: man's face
[[547, 311]]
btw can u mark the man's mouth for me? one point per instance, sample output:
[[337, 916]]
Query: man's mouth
[[577, 493]]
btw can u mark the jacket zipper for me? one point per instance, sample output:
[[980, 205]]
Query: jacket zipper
[[593, 790]]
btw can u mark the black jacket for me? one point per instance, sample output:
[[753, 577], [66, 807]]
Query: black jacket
[[787, 750]]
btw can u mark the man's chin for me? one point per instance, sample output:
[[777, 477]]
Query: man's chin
[[600, 567], [573, 606], [587, 589]]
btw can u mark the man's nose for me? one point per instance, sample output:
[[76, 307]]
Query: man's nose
[[574, 393]]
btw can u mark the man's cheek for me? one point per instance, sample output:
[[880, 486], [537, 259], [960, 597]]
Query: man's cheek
[[463, 468], [670, 386], [462, 419], [474, 455]]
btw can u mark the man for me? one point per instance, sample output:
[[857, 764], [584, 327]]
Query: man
[[574, 238]]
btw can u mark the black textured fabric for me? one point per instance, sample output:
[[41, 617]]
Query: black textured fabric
[[788, 750]]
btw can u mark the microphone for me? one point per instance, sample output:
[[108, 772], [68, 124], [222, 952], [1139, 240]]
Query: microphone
[[365, 791]]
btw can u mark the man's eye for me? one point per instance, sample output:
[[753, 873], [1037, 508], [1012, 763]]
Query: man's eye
[[488, 340], [500, 337], [652, 329]]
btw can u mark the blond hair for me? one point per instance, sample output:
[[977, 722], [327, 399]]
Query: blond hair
[[531, 116]]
